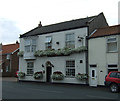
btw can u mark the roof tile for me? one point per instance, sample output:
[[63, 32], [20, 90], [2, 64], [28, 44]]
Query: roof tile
[[9, 48], [111, 30]]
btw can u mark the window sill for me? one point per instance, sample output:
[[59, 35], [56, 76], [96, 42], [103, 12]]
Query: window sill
[[112, 51], [69, 76], [29, 74]]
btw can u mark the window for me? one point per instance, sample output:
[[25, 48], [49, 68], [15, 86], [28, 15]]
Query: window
[[112, 67], [30, 66], [70, 40], [118, 75], [8, 56], [93, 66], [93, 73], [33, 45], [30, 45], [7, 69], [48, 42], [109, 70], [113, 75], [112, 44], [70, 68]]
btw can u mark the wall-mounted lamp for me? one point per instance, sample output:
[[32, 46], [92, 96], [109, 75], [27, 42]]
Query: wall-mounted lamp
[[57, 43], [80, 38], [42, 65]]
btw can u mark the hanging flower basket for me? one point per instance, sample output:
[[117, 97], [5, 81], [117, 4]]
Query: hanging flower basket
[[57, 75], [21, 74], [81, 76], [38, 75]]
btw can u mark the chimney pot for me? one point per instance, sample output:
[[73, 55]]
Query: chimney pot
[[40, 24]]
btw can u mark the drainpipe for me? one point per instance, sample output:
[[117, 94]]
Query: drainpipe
[[87, 55]]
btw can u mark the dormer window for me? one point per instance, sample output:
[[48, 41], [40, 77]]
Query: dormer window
[[112, 44], [48, 42]]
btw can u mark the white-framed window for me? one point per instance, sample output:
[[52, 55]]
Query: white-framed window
[[30, 68], [8, 56], [112, 44], [70, 40], [33, 45], [30, 45], [48, 42], [112, 67], [70, 68]]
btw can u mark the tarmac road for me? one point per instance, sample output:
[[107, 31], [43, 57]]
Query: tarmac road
[[31, 90]]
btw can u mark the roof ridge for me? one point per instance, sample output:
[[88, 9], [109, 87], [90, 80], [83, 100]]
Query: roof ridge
[[10, 44], [69, 21], [109, 26]]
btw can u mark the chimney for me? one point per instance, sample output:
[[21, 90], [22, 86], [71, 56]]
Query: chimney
[[17, 42], [40, 25]]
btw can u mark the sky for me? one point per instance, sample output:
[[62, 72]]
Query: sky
[[20, 16]]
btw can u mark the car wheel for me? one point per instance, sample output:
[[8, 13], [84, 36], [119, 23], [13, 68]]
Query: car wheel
[[114, 88]]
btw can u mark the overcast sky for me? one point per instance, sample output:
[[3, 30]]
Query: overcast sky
[[20, 16]]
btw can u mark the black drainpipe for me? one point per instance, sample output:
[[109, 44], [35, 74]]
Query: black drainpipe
[[86, 53]]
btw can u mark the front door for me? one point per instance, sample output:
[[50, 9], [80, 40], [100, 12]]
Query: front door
[[93, 76], [48, 74]]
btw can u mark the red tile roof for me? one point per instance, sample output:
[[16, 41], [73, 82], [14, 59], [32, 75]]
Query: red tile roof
[[9, 48], [111, 30]]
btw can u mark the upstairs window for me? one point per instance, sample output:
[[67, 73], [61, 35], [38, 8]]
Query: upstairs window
[[112, 45], [30, 45], [48, 42], [33, 45], [70, 40]]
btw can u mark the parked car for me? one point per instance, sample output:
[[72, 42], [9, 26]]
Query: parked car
[[112, 80]]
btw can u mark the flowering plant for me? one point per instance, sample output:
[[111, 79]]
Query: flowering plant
[[57, 75], [59, 52], [21, 74], [80, 76], [38, 75]]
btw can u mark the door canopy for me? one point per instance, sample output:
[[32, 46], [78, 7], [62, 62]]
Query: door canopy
[[49, 64]]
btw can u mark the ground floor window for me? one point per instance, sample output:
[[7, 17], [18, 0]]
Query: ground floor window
[[7, 68], [70, 68], [112, 67], [30, 66]]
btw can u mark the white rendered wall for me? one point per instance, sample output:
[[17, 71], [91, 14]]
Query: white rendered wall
[[60, 61]]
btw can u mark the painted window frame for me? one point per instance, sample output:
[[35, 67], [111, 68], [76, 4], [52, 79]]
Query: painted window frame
[[30, 46], [68, 41], [112, 68], [112, 42], [30, 69], [69, 69], [48, 42]]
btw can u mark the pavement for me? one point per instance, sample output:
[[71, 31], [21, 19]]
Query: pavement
[[9, 79]]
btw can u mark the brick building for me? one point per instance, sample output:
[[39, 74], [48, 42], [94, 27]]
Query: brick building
[[10, 61]]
